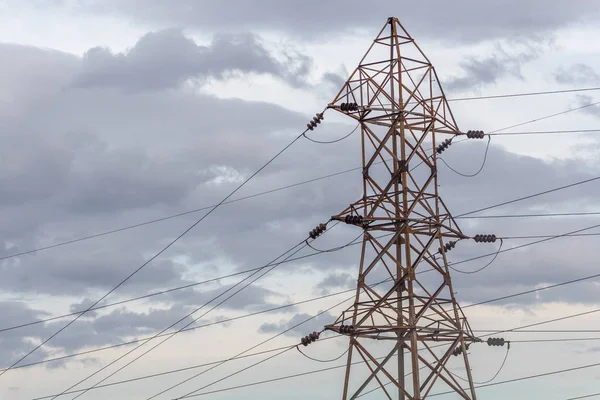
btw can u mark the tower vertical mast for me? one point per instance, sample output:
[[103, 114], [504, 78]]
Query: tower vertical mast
[[405, 307]]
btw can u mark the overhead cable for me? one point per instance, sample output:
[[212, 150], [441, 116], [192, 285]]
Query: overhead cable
[[523, 94], [156, 255]]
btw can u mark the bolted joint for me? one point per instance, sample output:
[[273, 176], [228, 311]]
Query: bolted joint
[[475, 134], [308, 339], [447, 247], [443, 146], [315, 121], [402, 166], [317, 231], [349, 107], [484, 238], [496, 342]]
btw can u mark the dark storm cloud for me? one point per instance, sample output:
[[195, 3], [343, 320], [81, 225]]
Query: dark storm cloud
[[463, 20], [579, 74], [166, 59]]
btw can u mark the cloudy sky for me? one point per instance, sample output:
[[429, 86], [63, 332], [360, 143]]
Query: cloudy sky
[[118, 112]]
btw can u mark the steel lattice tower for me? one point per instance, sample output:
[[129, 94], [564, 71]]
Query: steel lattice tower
[[395, 96]]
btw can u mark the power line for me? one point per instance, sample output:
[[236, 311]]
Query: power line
[[546, 117], [173, 216], [280, 307], [290, 260], [502, 96], [569, 214], [587, 396], [520, 329], [171, 243], [517, 329], [549, 236], [5, 370], [249, 349], [556, 340], [487, 148], [495, 375], [185, 369], [336, 140], [523, 378], [245, 351], [544, 132], [153, 221], [379, 358], [532, 291], [546, 239], [291, 252], [467, 215], [482, 268], [530, 196], [191, 394], [223, 321]]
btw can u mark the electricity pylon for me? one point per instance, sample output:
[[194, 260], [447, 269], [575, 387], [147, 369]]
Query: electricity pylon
[[405, 309]]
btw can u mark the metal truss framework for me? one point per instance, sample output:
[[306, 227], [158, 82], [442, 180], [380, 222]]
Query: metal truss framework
[[395, 96]]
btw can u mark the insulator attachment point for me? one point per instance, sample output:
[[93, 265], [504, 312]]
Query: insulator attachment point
[[308, 339], [485, 238], [447, 247], [458, 351], [347, 329], [496, 342], [317, 231], [475, 134], [353, 219], [443, 146], [349, 107], [315, 121]]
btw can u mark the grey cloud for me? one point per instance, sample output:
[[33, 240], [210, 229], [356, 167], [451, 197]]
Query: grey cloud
[[166, 59], [335, 79], [460, 21], [314, 324], [332, 280], [577, 74], [248, 234], [84, 305], [108, 329], [587, 101], [25, 89], [15, 343], [79, 273], [481, 71], [251, 298]]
